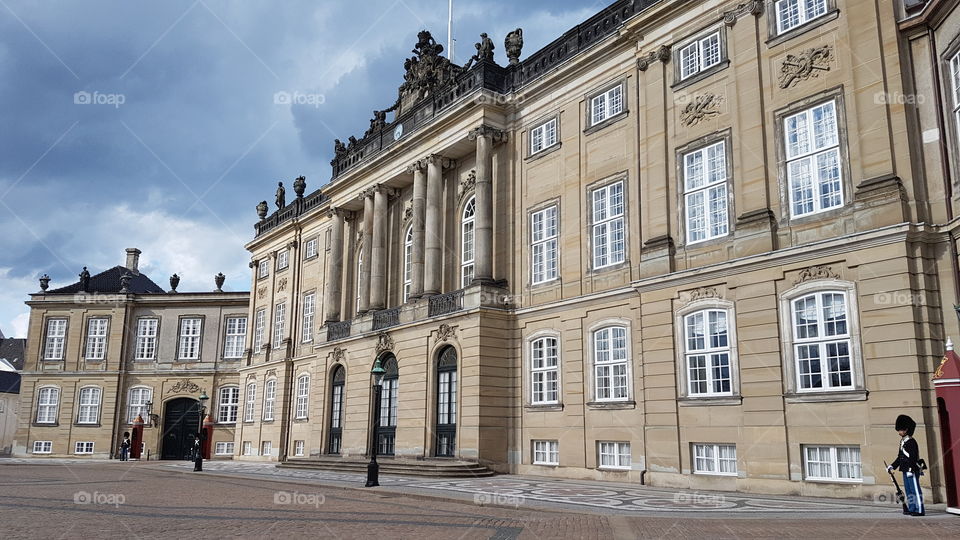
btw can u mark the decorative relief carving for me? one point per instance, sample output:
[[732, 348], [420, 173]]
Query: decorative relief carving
[[384, 342], [407, 210], [753, 7], [807, 64], [816, 272], [338, 354], [704, 293], [467, 184], [282, 285], [271, 372], [496, 135], [662, 54], [445, 332], [700, 108], [261, 293], [184, 386]]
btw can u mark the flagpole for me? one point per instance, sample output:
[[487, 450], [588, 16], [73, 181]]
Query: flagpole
[[450, 31]]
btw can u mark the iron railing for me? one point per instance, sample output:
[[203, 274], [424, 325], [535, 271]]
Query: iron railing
[[385, 318], [338, 330], [441, 304]]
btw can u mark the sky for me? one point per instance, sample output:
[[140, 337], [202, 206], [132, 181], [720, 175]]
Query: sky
[[160, 125]]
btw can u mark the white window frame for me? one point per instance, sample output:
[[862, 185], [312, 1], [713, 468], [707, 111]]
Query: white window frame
[[832, 454], [706, 180], [258, 329], [359, 281], [236, 336], [544, 372], [302, 397], [55, 340], [283, 260], [42, 447], [250, 402], [88, 405], [137, 402], [708, 459], [266, 448], [247, 448], [48, 410], [228, 404], [607, 218], [263, 268], [546, 452], [822, 342], [802, 14], [147, 332], [279, 324], [607, 104], [468, 238], [605, 366], [189, 339], [804, 152], [407, 262], [309, 312], [711, 353], [955, 78], [269, 398], [224, 448], [545, 245], [311, 249], [298, 448], [543, 136], [620, 451], [698, 56], [81, 448], [96, 347]]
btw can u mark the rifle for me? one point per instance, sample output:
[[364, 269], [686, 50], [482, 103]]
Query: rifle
[[900, 496]]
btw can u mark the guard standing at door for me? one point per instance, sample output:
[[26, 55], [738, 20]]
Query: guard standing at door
[[197, 454], [909, 463]]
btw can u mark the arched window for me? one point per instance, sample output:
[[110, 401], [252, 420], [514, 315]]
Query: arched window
[[250, 402], [707, 353], [386, 432], [821, 341], [610, 364], [137, 403], [48, 405], [88, 409], [303, 395], [359, 272], [544, 371], [336, 410], [466, 242], [407, 262], [269, 398]]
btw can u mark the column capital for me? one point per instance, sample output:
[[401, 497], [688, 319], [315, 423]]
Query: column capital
[[335, 211], [437, 159], [495, 134], [418, 165]]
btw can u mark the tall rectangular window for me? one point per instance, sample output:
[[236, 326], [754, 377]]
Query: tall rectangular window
[[258, 327], [189, 344], [56, 336], [309, 307], [794, 13], [235, 337], [298, 448], [546, 453], [467, 224], [609, 240], [544, 247], [606, 105], [228, 404], [407, 263], [269, 399], [720, 459], [88, 407], [543, 136], [705, 192], [266, 448], [310, 250], [614, 455], [812, 142], [700, 55], [611, 382], [955, 78], [303, 395], [249, 405], [96, 339], [137, 403], [821, 342], [146, 348], [832, 463], [279, 319], [707, 344], [48, 405], [283, 260], [247, 447], [544, 371], [263, 269]]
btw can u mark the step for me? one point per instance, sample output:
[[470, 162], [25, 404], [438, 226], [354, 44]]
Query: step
[[427, 467]]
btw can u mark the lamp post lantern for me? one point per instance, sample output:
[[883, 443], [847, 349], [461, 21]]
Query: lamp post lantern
[[373, 469], [198, 444]]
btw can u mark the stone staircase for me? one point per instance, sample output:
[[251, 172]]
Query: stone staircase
[[434, 468]]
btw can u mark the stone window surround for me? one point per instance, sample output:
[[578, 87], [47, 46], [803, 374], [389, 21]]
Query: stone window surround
[[725, 135], [263, 331], [203, 324], [846, 181], [245, 402], [297, 397], [36, 411], [774, 38], [76, 420], [156, 343], [263, 409], [527, 376], [529, 154], [684, 398], [311, 238], [712, 28], [789, 365], [622, 176], [263, 262], [953, 136], [276, 257], [308, 338], [592, 403], [588, 100], [86, 338], [543, 205], [223, 321], [66, 335]]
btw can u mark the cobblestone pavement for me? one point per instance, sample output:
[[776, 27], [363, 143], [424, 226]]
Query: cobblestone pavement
[[69, 499]]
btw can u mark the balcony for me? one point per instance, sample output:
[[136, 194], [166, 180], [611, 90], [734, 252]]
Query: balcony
[[442, 304], [385, 318], [338, 330]]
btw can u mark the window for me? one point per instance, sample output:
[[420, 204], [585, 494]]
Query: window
[[224, 449], [258, 325], [794, 13], [543, 136], [283, 260], [610, 364], [466, 242], [310, 249], [545, 372], [707, 353], [146, 348], [264, 268], [614, 455], [247, 448], [250, 404], [48, 405], [705, 192], [42, 447], [832, 463], [336, 410], [309, 308], [407, 263], [955, 75], [269, 398], [88, 409], [189, 348], [137, 403], [266, 448], [303, 393], [96, 339], [544, 248], [229, 401], [606, 105], [720, 459], [609, 244], [812, 142], [83, 447], [359, 274], [56, 336], [279, 318], [821, 342], [298, 448], [236, 335], [700, 55], [546, 453]]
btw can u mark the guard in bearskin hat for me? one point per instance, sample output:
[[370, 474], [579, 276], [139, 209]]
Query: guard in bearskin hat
[[909, 463]]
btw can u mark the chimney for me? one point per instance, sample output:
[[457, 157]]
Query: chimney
[[133, 260]]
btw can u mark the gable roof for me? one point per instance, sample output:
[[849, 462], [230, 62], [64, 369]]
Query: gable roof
[[12, 350], [108, 281]]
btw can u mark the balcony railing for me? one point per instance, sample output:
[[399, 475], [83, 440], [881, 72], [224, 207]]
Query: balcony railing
[[442, 304], [338, 330], [385, 318]]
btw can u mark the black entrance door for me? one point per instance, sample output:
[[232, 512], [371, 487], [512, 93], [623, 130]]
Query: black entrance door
[[446, 403], [181, 418]]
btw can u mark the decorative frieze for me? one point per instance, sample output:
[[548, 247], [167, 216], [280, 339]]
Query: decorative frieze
[[808, 64], [704, 293], [184, 386]]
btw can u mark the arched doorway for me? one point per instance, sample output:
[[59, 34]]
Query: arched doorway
[[446, 403], [181, 421], [387, 430], [336, 410]]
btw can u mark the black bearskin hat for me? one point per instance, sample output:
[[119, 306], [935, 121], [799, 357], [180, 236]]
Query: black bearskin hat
[[904, 422]]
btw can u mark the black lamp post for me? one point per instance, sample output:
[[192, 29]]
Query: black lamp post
[[373, 469], [198, 444]]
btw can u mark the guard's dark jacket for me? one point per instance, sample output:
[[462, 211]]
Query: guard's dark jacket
[[907, 457]]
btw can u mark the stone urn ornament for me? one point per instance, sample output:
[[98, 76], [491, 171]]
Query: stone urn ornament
[[219, 279], [514, 45], [174, 281], [44, 282], [262, 210], [299, 186]]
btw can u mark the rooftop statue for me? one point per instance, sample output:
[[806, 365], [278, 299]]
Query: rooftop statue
[[339, 148], [514, 45], [425, 72], [485, 48], [281, 196]]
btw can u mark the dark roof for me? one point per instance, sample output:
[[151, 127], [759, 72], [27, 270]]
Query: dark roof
[[109, 282], [12, 350], [9, 382]]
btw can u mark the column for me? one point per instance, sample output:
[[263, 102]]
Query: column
[[485, 136], [419, 218], [335, 270], [378, 253], [433, 236], [366, 248]]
